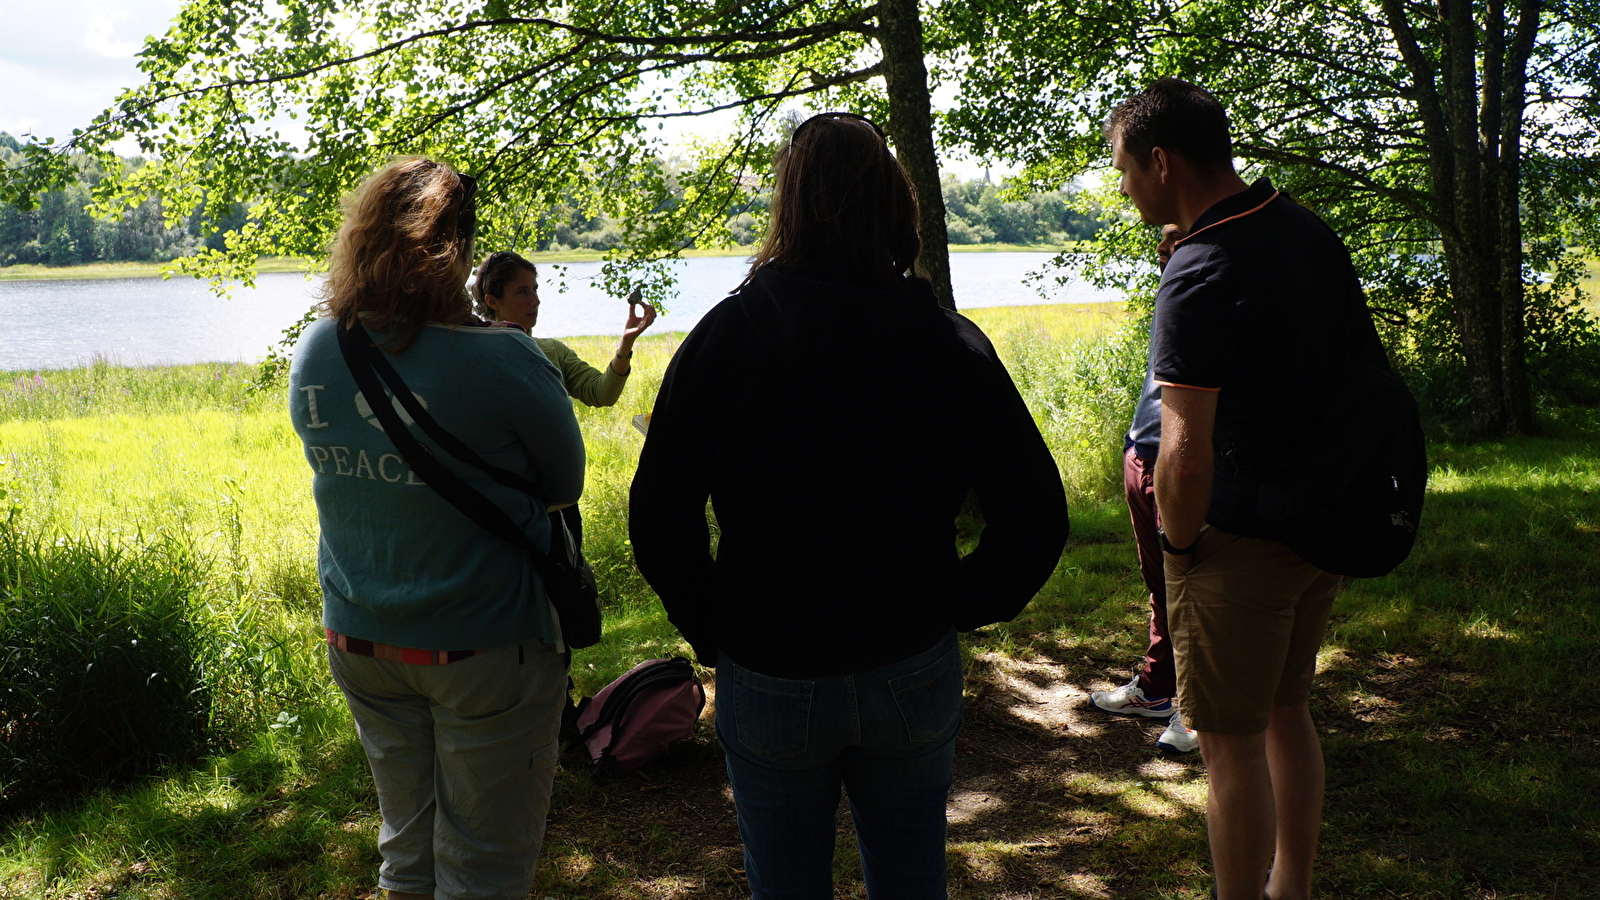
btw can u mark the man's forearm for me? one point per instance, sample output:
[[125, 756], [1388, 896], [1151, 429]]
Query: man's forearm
[[1183, 494], [1186, 465]]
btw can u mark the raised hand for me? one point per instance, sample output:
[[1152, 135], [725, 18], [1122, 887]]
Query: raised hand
[[640, 317]]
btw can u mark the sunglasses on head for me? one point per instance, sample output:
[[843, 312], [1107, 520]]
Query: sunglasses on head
[[467, 220], [848, 116]]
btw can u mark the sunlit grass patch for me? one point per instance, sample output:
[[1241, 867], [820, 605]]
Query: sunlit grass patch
[[282, 817], [1055, 321]]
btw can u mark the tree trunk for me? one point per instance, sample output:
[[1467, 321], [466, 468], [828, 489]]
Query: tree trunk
[[1518, 394], [1474, 291], [911, 130], [1446, 97], [1517, 398], [1474, 275]]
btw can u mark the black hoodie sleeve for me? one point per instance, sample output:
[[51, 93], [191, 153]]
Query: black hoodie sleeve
[[1019, 491], [667, 503]]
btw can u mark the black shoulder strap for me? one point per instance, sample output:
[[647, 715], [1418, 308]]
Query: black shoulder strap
[[430, 426], [363, 357], [622, 696]]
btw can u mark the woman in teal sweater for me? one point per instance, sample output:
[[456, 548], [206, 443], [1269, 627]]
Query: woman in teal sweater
[[440, 633]]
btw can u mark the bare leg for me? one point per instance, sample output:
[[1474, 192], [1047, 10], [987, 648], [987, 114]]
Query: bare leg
[[1240, 817], [1294, 755]]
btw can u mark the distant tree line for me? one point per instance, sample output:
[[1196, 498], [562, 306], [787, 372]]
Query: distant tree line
[[977, 211], [60, 231]]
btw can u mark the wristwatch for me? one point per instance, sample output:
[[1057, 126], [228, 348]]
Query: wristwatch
[[1166, 545]]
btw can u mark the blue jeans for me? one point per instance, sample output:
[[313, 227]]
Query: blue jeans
[[887, 735]]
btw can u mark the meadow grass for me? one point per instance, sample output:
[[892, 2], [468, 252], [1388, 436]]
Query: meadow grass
[[1591, 285], [1454, 694], [103, 668], [101, 270]]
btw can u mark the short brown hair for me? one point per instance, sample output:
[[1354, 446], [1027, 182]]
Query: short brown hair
[[1178, 117], [403, 252], [841, 195]]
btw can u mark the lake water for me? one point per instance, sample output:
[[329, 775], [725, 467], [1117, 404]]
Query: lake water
[[147, 321]]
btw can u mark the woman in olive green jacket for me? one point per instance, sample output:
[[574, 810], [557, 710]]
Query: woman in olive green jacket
[[507, 290]]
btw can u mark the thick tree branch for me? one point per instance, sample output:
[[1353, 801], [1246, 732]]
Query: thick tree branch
[[1280, 52], [857, 23], [1414, 200], [629, 68]]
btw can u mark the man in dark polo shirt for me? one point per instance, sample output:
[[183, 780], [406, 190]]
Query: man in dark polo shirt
[[1251, 324]]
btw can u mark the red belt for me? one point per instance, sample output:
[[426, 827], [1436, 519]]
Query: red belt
[[395, 654]]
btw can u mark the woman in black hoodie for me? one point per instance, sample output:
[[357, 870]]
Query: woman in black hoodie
[[830, 606]]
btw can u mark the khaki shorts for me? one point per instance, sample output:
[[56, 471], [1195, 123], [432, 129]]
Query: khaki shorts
[[1246, 619]]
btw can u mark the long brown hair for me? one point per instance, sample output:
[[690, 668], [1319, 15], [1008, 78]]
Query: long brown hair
[[404, 251], [841, 195]]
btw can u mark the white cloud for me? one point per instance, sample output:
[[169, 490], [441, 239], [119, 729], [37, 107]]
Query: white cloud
[[64, 62], [101, 36]]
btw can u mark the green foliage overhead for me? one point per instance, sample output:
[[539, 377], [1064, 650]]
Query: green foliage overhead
[[1453, 143], [291, 104]]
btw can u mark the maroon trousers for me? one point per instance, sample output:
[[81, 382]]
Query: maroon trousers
[[1158, 677]]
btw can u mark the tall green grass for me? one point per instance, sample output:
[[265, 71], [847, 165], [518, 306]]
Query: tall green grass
[[101, 670], [115, 665], [158, 573], [103, 388]]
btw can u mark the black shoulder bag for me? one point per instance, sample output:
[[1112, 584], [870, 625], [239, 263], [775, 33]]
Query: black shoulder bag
[[568, 580]]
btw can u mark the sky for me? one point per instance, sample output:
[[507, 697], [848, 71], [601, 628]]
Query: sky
[[64, 61]]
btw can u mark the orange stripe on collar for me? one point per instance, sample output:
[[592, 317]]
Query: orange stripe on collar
[[1228, 219], [1189, 387]]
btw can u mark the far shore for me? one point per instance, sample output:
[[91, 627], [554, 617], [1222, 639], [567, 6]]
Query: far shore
[[273, 264]]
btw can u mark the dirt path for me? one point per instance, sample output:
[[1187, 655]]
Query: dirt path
[[1050, 800]]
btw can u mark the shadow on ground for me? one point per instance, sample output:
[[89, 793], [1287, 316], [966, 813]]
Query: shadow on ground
[[1044, 795]]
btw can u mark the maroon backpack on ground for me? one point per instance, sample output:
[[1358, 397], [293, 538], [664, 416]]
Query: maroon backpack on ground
[[637, 717]]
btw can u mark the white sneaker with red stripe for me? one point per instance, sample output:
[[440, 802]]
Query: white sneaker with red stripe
[[1179, 737], [1129, 700]]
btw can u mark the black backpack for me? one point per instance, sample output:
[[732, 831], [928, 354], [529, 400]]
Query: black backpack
[[1348, 497]]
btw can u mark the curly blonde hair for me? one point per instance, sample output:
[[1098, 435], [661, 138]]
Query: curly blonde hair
[[403, 252]]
